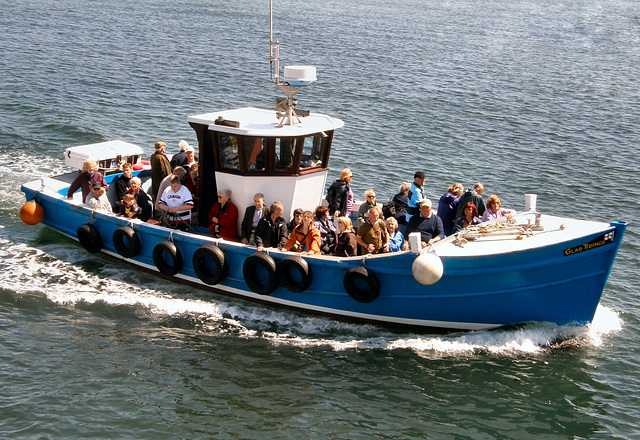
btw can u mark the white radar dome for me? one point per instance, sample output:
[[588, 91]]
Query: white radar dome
[[427, 269], [299, 76]]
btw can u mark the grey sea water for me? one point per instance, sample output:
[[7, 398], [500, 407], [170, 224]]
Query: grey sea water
[[527, 97]]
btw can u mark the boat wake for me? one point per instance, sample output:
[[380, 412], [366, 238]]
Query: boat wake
[[67, 276]]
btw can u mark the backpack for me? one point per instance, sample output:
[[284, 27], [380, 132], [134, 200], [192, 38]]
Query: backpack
[[389, 209], [332, 193]]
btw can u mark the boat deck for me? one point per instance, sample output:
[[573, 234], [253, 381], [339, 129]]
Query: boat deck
[[500, 241]]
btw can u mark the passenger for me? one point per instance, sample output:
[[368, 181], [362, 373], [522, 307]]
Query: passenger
[[295, 220], [191, 157], [176, 200], [401, 203], [429, 225], [365, 207], [397, 242], [180, 172], [347, 245], [271, 231], [340, 196], [223, 217], [97, 198], [372, 236], [252, 216], [328, 234], [86, 179], [129, 207], [447, 207], [180, 159], [191, 182], [123, 183], [160, 168], [474, 196], [469, 217], [416, 194], [305, 237], [143, 200], [494, 210]]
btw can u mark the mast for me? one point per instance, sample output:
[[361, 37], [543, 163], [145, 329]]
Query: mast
[[295, 77], [274, 49]]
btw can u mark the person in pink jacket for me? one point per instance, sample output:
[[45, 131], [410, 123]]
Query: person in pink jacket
[[495, 211]]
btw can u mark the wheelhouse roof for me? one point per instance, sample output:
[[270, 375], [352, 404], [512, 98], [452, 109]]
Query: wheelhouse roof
[[257, 122]]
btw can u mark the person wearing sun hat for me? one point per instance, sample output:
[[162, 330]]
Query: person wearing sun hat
[[160, 168], [97, 198]]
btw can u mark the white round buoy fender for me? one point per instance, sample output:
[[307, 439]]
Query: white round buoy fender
[[427, 269]]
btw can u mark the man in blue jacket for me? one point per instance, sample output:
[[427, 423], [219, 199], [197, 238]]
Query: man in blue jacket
[[416, 194]]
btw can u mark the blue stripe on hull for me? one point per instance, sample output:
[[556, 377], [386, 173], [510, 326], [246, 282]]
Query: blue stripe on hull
[[475, 292]]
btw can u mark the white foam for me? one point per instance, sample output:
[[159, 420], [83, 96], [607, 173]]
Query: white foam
[[530, 339], [604, 322], [24, 168]]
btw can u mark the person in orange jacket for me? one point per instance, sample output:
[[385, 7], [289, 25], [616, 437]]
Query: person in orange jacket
[[306, 236]]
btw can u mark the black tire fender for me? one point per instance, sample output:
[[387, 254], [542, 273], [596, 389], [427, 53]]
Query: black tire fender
[[214, 254], [160, 251], [250, 273], [126, 242], [298, 264], [90, 238], [356, 278]]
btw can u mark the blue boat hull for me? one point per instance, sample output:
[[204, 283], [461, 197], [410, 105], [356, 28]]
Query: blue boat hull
[[547, 284]]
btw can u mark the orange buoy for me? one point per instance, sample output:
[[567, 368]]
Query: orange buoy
[[31, 213]]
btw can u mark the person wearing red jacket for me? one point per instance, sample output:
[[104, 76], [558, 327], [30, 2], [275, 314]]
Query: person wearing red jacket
[[223, 217]]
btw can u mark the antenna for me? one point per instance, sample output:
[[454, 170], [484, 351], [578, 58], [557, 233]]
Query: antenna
[[294, 78], [274, 49]]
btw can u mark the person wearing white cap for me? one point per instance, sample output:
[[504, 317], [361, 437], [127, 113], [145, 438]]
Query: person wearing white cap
[[427, 224], [191, 157]]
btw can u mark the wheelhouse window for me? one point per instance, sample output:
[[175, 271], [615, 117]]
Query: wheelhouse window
[[229, 152], [269, 155], [285, 151], [256, 154], [313, 151]]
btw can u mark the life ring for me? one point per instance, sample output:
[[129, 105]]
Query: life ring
[[251, 277], [202, 259], [90, 238], [126, 242], [361, 284], [163, 249], [297, 282]]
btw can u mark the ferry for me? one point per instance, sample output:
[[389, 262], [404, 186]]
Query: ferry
[[536, 267]]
